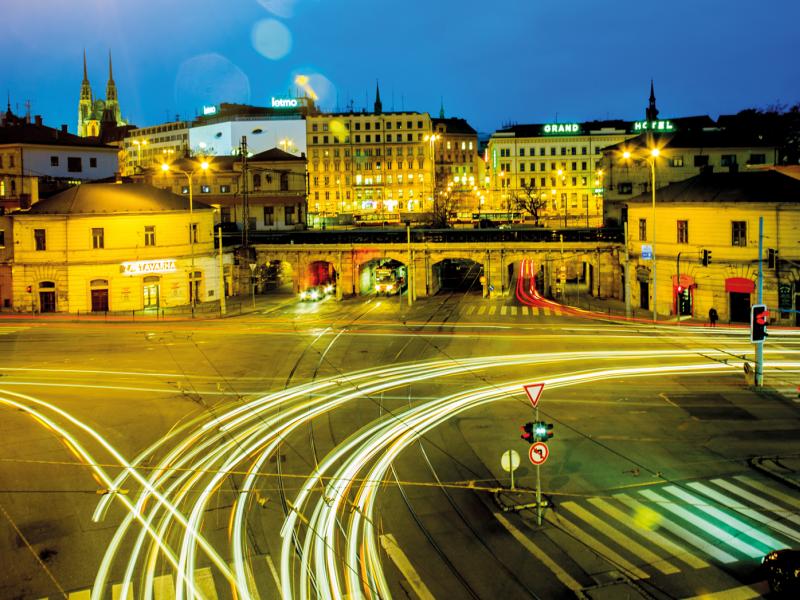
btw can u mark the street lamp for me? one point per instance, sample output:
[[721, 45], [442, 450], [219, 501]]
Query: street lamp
[[139, 144], [651, 157], [431, 139], [201, 167]]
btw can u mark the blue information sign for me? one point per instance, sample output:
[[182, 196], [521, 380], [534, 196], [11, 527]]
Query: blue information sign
[[647, 252]]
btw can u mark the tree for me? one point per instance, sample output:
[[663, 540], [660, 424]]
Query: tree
[[441, 208], [530, 199]]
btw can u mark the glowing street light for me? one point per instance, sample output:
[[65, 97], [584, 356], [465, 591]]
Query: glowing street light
[[201, 167]]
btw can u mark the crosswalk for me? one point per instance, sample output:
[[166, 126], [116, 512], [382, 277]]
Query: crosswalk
[[668, 528], [493, 310]]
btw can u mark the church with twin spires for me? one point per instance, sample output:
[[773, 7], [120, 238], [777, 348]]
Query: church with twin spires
[[94, 113]]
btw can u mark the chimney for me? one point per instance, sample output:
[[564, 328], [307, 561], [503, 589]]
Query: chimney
[[38, 120], [64, 129]]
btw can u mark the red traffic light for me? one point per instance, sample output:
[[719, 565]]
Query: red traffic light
[[527, 433]]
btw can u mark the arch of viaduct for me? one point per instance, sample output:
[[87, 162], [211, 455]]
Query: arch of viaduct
[[601, 260]]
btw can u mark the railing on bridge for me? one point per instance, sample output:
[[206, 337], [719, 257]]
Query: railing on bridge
[[434, 236]]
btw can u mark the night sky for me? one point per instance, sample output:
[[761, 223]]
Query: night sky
[[491, 62]]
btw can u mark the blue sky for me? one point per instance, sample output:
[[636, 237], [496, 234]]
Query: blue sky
[[492, 63]]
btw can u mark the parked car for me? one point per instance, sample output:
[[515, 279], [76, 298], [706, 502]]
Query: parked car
[[782, 570]]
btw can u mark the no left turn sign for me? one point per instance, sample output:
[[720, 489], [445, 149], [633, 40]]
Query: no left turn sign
[[538, 453]]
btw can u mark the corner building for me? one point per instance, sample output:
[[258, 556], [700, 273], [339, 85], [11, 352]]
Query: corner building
[[369, 167], [113, 247]]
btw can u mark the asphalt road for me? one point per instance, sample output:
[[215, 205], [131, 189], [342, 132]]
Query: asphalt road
[[353, 449]]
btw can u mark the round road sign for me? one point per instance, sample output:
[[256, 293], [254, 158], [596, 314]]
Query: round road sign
[[538, 453], [509, 460]]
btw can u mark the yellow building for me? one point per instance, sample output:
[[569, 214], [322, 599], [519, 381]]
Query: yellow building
[[369, 167], [706, 246], [113, 247], [553, 164], [455, 151]]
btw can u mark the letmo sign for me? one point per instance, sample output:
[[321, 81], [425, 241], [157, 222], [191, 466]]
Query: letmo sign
[[561, 128], [141, 267], [285, 102]]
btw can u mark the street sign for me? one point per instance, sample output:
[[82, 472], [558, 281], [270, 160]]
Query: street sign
[[647, 252], [509, 460], [534, 390], [253, 267], [538, 453]]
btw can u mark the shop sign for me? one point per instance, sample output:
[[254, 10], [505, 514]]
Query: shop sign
[[209, 110], [653, 126], [561, 128], [141, 267], [785, 296], [285, 102]]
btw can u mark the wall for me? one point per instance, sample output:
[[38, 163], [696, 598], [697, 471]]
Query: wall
[[37, 162]]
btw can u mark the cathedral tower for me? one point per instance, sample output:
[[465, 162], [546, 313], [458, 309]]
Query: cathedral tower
[[94, 111], [85, 102]]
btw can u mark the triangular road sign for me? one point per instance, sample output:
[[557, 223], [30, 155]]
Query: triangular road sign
[[534, 391]]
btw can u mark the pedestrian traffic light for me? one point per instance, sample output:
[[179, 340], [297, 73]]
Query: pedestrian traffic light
[[759, 316], [706, 257], [29, 289], [527, 433]]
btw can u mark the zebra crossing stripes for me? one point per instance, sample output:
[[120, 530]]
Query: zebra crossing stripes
[[509, 311], [118, 588]]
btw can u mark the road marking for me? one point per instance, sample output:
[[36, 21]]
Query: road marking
[[656, 539], [503, 310], [204, 584], [481, 310], [624, 541], [677, 530], [274, 572], [513, 311], [606, 552], [469, 309], [492, 310], [756, 515], [408, 571], [740, 526], [706, 526], [790, 500], [118, 588], [163, 587], [248, 573], [82, 595], [743, 592], [548, 562], [524, 310]]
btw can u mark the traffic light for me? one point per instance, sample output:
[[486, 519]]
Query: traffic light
[[29, 289], [527, 433], [772, 258], [706, 257], [759, 316], [542, 431]]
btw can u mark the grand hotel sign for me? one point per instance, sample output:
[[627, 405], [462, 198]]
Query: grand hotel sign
[[144, 267]]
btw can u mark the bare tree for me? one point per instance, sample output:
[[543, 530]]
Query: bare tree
[[443, 203], [530, 199]]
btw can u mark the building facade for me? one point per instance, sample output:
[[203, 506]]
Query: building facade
[[145, 147], [113, 247], [456, 159], [706, 246], [555, 167]]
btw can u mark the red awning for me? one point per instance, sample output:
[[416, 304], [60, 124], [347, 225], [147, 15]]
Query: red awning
[[740, 284]]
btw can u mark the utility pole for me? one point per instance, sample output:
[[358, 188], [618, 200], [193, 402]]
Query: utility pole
[[627, 268], [222, 307], [245, 206], [759, 379]]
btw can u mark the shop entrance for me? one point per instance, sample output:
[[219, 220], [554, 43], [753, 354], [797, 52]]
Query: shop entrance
[[47, 297], [740, 307], [99, 293], [644, 295], [151, 292], [195, 282], [684, 301]]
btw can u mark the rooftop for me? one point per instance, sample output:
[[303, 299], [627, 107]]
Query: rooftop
[[759, 186]]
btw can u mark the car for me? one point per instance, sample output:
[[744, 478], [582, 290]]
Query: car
[[329, 289], [782, 571], [312, 294]]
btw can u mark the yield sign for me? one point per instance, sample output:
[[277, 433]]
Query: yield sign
[[538, 453], [534, 390]]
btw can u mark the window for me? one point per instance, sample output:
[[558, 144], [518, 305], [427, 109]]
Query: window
[[74, 164], [642, 230], [40, 239], [53, 161], [522, 167], [728, 160], [224, 189], [676, 161], [269, 215], [149, 235], [625, 188], [700, 160], [193, 234], [521, 151], [98, 240], [184, 189], [683, 232], [289, 212], [757, 159], [92, 163], [739, 233], [205, 189]]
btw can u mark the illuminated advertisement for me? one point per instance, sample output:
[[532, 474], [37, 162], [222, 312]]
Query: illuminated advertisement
[[142, 267]]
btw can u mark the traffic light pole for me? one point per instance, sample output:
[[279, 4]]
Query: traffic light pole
[[759, 379], [539, 482]]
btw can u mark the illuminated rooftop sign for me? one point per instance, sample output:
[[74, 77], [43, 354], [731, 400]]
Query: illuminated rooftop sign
[[561, 128], [285, 102], [653, 126], [142, 267], [209, 110]]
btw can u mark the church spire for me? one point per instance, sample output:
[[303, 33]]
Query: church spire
[[651, 114], [111, 89], [110, 70], [441, 107], [378, 104], [85, 74]]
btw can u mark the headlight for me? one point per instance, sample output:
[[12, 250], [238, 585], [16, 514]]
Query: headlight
[[303, 295], [329, 289], [314, 295], [378, 287], [389, 287]]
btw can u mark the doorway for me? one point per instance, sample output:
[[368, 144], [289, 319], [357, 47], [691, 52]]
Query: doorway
[[151, 292], [100, 300], [684, 301], [740, 307], [47, 297], [644, 295]]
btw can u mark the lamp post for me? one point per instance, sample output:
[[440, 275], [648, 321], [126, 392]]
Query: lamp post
[[651, 160], [202, 167], [139, 144], [431, 139]]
